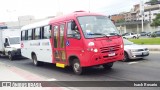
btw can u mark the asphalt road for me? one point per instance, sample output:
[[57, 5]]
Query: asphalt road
[[147, 69]]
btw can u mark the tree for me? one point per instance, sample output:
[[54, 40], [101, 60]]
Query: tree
[[156, 21], [120, 21], [152, 2]]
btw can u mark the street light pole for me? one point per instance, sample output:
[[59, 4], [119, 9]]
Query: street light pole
[[142, 24], [142, 13], [19, 22], [89, 5]]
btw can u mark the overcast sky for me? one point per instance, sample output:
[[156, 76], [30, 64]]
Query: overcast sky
[[11, 9]]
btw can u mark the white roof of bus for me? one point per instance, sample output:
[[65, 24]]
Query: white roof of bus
[[37, 24]]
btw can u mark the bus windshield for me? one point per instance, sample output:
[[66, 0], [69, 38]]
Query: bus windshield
[[97, 26]]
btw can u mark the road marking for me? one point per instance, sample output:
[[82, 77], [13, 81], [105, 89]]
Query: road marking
[[66, 88], [52, 79], [132, 62]]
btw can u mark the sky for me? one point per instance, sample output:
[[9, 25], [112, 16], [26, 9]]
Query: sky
[[10, 10]]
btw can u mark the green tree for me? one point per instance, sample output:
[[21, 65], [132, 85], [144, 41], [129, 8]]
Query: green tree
[[156, 21], [153, 2], [120, 21]]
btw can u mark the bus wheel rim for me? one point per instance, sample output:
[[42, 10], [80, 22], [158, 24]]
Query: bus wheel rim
[[34, 60], [76, 67]]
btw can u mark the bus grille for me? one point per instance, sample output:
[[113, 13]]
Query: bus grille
[[109, 49]]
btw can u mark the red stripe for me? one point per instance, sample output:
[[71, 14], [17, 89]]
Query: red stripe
[[31, 77], [51, 42]]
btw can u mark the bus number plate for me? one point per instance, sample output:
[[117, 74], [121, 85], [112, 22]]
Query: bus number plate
[[111, 54]]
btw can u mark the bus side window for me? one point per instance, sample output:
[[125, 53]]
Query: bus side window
[[22, 35], [73, 33], [30, 34], [37, 33], [26, 35], [33, 34], [46, 32], [62, 36], [55, 36]]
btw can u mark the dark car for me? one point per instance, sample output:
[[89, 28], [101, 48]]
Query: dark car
[[143, 33], [149, 34], [156, 34]]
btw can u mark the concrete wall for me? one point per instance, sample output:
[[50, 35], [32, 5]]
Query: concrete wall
[[137, 28]]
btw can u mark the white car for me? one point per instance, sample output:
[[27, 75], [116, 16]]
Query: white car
[[134, 51], [130, 35]]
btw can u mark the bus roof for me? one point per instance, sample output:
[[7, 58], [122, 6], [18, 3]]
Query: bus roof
[[37, 24], [58, 19]]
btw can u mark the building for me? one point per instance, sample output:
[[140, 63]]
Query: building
[[117, 17], [133, 18], [150, 12], [24, 20]]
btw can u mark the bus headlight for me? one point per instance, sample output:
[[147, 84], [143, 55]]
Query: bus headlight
[[95, 50], [121, 46], [91, 44]]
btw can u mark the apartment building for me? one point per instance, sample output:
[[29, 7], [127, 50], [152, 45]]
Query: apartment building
[[133, 18], [118, 17]]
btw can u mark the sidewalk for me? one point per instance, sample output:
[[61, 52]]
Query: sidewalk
[[10, 73], [153, 47]]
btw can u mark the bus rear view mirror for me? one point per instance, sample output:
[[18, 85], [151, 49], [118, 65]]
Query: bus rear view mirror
[[73, 25]]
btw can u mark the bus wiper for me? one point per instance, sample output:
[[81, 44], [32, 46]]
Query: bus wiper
[[100, 34], [115, 34]]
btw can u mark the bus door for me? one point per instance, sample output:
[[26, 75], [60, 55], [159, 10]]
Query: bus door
[[59, 52]]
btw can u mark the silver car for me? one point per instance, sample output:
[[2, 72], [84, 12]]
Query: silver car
[[134, 51]]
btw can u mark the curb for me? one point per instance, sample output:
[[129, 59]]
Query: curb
[[154, 49]]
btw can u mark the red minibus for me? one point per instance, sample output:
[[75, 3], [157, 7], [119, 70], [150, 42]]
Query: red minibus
[[81, 39]]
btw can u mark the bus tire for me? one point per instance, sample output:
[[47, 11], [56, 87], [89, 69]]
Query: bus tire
[[77, 67], [35, 62], [108, 65], [10, 56]]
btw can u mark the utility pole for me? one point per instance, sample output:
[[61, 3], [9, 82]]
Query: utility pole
[[89, 5], [142, 13]]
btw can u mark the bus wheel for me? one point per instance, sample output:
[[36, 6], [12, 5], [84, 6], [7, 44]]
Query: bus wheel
[[35, 62], [10, 56], [76, 67], [108, 65]]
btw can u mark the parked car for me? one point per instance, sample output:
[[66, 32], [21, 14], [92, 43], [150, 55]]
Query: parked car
[[145, 34], [130, 35], [149, 34], [156, 34], [134, 51]]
